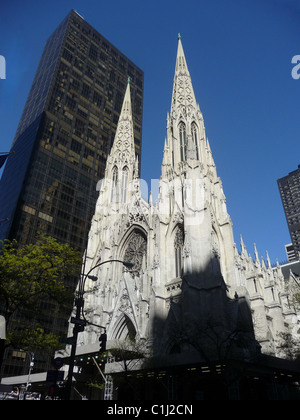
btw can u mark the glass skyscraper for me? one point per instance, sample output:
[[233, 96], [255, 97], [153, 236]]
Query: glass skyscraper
[[65, 133], [63, 139], [289, 188]]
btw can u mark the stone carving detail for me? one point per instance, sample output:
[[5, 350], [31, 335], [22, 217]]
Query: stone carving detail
[[125, 306], [215, 245], [191, 151], [187, 247], [135, 217], [178, 241], [178, 218], [137, 214]]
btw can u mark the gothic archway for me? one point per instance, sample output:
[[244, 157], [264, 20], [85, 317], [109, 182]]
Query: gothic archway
[[124, 329]]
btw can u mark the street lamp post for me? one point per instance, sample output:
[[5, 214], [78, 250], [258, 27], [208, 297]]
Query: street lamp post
[[80, 323], [31, 364]]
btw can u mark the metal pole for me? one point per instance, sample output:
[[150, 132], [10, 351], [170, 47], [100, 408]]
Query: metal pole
[[31, 361], [76, 329], [80, 323], [79, 305]]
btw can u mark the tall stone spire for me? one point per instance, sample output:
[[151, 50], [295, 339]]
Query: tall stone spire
[[122, 164], [123, 150], [185, 127], [191, 190], [183, 92]]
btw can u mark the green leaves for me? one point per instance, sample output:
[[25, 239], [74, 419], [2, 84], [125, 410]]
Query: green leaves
[[33, 338], [32, 274]]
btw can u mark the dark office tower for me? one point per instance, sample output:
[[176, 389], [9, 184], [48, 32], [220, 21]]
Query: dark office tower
[[65, 133], [289, 187], [64, 136]]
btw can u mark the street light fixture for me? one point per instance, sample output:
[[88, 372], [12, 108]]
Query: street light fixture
[[80, 323], [93, 278], [128, 264]]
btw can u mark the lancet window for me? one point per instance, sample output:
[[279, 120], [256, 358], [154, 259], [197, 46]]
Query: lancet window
[[195, 138], [182, 139], [124, 184], [178, 246], [114, 190]]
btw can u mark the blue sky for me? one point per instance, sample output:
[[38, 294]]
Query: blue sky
[[239, 54]]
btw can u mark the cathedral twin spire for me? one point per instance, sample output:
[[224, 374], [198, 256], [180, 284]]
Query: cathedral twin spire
[[123, 149], [185, 140], [122, 163], [188, 232], [183, 98]]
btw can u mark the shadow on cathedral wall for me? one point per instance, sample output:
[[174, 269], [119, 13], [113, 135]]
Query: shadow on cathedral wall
[[205, 323], [206, 350]]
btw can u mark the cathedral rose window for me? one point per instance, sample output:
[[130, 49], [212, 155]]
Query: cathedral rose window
[[135, 251]]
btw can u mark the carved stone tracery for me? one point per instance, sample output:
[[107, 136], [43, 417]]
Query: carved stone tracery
[[136, 250]]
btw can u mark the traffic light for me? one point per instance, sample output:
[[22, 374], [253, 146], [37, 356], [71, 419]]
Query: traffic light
[[103, 339]]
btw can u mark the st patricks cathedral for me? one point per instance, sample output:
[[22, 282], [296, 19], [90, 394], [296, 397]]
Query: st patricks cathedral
[[191, 296]]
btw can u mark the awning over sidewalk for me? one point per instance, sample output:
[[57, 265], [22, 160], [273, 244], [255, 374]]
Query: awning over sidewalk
[[19, 380]]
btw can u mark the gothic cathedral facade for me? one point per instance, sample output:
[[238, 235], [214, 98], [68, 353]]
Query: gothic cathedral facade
[[190, 290]]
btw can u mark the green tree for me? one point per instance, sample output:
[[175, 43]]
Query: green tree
[[29, 276]]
